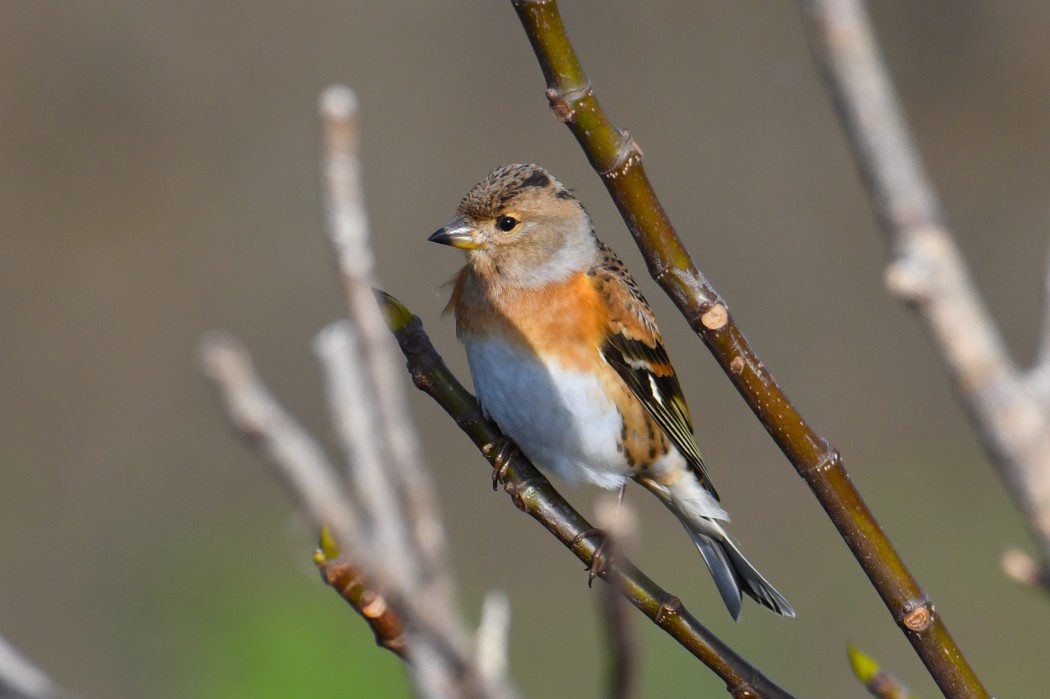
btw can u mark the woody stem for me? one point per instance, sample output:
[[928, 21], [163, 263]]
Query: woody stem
[[574, 102], [533, 494]]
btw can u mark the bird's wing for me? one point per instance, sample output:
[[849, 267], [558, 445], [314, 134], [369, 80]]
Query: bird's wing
[[633, 347]]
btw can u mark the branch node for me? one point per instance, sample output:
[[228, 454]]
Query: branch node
[[737, 365], [923, 253], [745, 690], [918, 618], [908, 279], [563, 104], [521, 491], [628, 154], [670, 605], [830, 461], [658, 273], [373, 605], [715, 318]]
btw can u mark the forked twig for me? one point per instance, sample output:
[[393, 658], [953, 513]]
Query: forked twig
[[388, 558]]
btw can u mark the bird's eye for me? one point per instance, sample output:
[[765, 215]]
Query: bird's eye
[[506, 223]]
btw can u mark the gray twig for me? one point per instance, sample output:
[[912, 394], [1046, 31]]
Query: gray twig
[[926, 269], [619, 523], [490, 640], [383, 515], [21, 679], [296, 458], [349, 234]]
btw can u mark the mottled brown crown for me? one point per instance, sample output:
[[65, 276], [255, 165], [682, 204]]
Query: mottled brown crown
[[489, 197]]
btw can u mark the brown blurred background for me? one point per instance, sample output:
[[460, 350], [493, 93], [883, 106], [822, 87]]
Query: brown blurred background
[[158, 179]]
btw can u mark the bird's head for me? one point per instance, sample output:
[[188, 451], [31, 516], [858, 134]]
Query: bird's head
[[521, 226]]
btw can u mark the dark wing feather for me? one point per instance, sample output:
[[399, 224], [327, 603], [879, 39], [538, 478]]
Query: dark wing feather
[[635, 350]]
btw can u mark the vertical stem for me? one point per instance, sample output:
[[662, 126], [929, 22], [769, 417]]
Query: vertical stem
[[618, 160]]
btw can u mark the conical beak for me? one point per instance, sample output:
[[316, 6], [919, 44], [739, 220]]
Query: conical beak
[[458, 233]]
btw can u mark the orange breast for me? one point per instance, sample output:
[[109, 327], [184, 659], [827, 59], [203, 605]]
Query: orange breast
[[565, 321]]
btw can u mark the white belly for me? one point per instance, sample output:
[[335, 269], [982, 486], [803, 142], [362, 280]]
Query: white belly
[[562, 420]]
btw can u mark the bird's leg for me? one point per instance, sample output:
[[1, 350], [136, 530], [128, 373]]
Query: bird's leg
[[602, 552], [501, 451], [600, 557]]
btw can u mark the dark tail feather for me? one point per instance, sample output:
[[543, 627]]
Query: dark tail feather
[[735, 575], [722, 571]]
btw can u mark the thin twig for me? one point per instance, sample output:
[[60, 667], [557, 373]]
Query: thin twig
[[532, 493], [297, 459], [491, 638], [618, 521], [368, 404], [618, 160], [622, 648], [351, 397], [926, 270], [301, 464], [388, 537], [21, 679], [343, 577], [423, 603], [879, 682], [349, 234]]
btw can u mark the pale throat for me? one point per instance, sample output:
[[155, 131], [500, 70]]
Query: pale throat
[[541, 265]]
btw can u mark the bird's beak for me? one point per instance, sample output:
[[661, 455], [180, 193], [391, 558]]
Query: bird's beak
[[458, 233]]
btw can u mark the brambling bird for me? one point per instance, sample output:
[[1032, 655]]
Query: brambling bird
[[567, 360]]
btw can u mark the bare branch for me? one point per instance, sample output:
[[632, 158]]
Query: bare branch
[[621, 643], [395, 561], [351, 397], [297, 459], [926, 269], [310, 479], [348, 232], [338, 573], [618, 160], [490, 640], [533, 494], [619, 523], [367, 402], [21, 679], [388, 555]]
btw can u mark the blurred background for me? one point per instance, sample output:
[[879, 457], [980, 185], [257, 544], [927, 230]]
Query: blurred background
[[158, 179]]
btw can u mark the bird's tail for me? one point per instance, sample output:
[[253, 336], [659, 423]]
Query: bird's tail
[[734, 574], [701, 515]]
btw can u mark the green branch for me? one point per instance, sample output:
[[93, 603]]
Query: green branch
[[533, 494], [618, 161]]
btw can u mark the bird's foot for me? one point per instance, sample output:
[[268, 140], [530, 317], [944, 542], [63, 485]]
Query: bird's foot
[[600, 558], [500, 451]]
